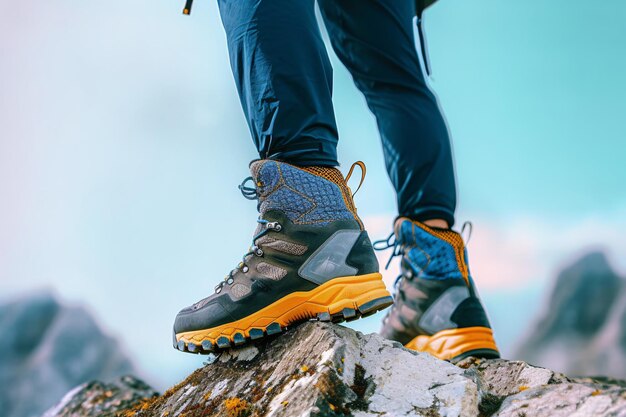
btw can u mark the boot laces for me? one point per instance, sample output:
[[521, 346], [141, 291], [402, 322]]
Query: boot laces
[[384, 244], [389, 242], [250, 193]]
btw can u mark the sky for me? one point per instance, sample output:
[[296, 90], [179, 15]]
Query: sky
[[122, 143]]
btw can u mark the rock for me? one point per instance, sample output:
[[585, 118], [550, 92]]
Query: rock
[[498, 379], [517, 389], [46, 349], [320, 369], [100, 399], [565, 400], [583, 329], [325, 370]]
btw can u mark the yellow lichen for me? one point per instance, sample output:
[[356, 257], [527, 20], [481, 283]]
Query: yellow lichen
[[284, 403], [523, 387], [332, 407], [142, 405], [237, 407], [596, 392], [304, 368]]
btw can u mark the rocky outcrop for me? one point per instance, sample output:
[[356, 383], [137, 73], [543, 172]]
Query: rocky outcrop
[[46, 349], [517, 389], [583, 328], [99, 399], [320, 369]]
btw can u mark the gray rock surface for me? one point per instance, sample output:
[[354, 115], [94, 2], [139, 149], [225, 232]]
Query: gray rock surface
[[326, 370], [46, 349], [582, 330], [517, 389], [100, 399]]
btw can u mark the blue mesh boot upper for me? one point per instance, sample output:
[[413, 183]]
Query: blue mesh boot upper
[[431, 253], [309, 195]]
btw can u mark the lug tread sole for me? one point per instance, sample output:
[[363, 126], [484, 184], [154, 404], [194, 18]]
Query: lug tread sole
[[476, 353], [456, 344], [345, 302]]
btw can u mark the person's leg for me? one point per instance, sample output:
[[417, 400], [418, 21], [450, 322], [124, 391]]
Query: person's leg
[[436, 308], [310, 257], [284, 78], [374, 40]]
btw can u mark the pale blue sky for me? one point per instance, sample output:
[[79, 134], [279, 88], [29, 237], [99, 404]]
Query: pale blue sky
[[122, 143]]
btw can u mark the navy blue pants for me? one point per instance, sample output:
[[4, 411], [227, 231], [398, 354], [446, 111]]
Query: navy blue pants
[[284, 78]]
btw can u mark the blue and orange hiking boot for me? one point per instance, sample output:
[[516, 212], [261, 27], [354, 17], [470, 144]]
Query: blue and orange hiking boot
[[436, 307], [310, 258]]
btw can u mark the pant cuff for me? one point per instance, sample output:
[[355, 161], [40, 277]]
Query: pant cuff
[[430, 213]]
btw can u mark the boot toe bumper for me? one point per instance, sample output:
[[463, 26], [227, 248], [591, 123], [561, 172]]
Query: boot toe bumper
[[210, 315]]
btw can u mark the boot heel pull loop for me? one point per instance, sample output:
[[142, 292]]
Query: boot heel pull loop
[[361, 165], [470, 227]]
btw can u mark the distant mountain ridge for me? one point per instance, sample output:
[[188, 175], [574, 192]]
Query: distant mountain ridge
[[582, 330], [47, 348]]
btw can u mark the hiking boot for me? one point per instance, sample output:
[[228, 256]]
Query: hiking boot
[[310, 259], [436, 307]]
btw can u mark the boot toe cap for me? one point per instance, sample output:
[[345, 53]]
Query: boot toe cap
[[194, 318]]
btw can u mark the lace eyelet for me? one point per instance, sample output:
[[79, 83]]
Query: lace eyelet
[[230, 281], [274, 226], [258, 252], [245, 269], [218, 290]]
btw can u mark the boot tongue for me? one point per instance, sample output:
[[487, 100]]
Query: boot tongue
[[255, 168], [398, 229], [266, 174], [261, 172]]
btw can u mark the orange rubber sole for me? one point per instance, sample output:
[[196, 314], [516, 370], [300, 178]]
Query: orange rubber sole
[[340, 299], [455, 344]]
